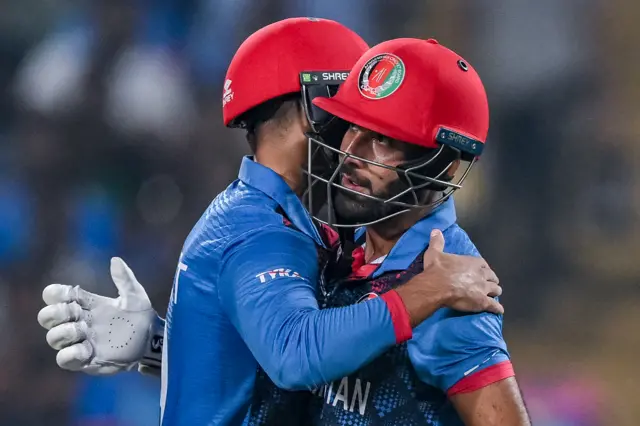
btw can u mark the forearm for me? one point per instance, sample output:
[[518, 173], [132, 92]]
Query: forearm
[[314, 347], [421, 301]]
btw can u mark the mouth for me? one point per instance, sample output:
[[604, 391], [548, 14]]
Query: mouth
[[350, 183]]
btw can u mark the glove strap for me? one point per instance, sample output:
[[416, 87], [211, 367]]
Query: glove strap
[[151, 362]]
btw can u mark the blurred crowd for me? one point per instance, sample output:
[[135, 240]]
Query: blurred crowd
[[111, 144]]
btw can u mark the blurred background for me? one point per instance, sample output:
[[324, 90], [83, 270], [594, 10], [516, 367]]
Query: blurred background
[[111, 143]]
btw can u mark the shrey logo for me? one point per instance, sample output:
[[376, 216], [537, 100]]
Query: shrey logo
[[227, 96], [381, 76]]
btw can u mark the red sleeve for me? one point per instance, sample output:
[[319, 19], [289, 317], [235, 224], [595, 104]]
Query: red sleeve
[[399, 316], [483, 378]]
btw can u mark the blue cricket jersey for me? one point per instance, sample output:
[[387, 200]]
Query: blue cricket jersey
[[450, 352], [244, 294]]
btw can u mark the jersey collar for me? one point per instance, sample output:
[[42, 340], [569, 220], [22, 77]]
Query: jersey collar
[[269, 182], [416, 239]]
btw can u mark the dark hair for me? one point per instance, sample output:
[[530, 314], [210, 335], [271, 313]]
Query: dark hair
[[266, 111]]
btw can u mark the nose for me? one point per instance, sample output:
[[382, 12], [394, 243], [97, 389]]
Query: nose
[[355, 143]]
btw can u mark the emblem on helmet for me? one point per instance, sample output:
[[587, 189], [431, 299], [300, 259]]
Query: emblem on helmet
[[381, 76]]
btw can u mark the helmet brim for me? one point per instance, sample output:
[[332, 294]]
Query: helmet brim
[[359, 117]]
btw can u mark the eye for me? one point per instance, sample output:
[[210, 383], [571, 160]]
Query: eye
[[382, 140]]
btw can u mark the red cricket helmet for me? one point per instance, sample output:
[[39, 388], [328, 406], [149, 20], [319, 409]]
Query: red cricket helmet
[[418, 92], [407, 89], [274, 61]]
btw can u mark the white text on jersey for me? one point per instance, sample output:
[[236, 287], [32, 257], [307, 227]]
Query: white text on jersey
[[278, 272], [343, 392]]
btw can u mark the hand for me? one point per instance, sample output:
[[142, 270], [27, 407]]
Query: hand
[[463, 283], [96, 334], [471, 283]]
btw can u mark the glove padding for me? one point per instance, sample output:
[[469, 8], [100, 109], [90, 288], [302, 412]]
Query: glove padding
[[96, 334]]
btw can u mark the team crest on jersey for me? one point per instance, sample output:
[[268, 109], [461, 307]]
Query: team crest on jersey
[[381, 76], [367, 296]]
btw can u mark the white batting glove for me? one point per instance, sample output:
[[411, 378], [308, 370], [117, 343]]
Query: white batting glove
[[99, 335]]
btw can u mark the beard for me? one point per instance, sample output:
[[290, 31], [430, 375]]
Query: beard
[[355, 209]]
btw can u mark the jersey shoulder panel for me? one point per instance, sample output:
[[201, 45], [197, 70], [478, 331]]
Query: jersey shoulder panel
[[457, 241], [238, 210]]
